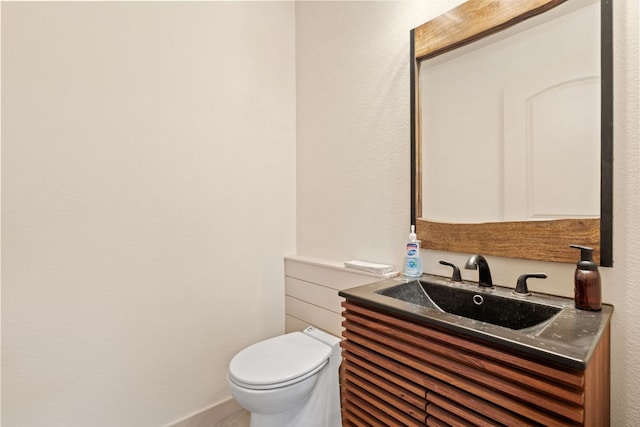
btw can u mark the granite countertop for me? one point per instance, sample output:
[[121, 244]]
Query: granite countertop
[[567, 339]]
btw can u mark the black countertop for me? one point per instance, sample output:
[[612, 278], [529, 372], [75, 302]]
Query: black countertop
[[568, 339]]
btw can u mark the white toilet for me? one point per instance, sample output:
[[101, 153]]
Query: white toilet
[[290, 380]]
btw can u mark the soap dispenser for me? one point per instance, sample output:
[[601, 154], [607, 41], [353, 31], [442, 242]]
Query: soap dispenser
[[588, 293], [412, 260]]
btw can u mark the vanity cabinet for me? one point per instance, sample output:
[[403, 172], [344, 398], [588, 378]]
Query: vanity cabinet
[[397, 372]]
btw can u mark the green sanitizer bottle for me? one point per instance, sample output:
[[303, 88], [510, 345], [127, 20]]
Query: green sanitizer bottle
[[412, 260]]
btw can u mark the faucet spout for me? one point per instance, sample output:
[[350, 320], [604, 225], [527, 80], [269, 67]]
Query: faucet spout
[[478, 262]]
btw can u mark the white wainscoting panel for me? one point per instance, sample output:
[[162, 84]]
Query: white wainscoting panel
[[311, 288], [321, 296], [319, 317]]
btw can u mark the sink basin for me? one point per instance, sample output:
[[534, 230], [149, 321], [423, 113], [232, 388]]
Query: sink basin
[[478, 304], [546, 327]]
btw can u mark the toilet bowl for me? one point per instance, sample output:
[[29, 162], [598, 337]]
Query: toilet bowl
[[290, 380]]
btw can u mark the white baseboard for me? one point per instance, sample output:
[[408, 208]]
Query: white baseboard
[[209, 416]]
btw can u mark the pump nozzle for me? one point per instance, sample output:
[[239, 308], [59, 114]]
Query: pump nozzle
[[586, 253], [412, 235], [586, 258]]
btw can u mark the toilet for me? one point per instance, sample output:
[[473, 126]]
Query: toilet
[[290, 380]]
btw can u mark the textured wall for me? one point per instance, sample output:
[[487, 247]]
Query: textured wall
[[621, 286], [352, 68], [353, 159], [148, 199]]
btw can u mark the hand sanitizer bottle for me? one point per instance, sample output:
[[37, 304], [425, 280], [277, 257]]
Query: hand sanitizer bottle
[[412, 260]]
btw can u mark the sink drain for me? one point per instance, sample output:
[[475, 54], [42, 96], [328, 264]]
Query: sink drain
[[478, 300]]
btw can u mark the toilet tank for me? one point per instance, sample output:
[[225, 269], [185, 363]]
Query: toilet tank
[[330, 340]]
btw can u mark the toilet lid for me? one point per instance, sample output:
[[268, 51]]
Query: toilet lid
[[277, 360]]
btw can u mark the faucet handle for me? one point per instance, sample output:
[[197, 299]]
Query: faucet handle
[[521, 286], [456, 277]]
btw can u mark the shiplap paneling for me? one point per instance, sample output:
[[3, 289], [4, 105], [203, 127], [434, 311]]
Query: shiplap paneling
[[311, 288]]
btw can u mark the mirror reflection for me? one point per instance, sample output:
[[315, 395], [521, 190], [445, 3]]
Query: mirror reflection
[[510, 158], [518, 138]]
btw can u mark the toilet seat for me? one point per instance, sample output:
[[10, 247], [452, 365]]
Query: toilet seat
[[278, 362]]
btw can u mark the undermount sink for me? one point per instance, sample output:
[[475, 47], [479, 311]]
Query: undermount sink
[[509, 312]]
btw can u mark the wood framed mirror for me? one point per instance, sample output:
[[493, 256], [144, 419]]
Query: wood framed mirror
[[517, 230]]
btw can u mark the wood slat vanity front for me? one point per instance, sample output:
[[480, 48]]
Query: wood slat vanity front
[[400, 373]]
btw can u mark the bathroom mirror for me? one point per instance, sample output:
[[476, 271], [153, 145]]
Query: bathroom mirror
[[514, 158]]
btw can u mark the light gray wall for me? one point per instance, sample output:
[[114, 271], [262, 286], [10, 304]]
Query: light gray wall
[[352, 63], [148, 200]]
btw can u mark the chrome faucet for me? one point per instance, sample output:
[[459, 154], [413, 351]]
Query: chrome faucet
[[478, 262]]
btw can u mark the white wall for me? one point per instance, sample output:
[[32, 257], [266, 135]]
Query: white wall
[[353, 159], [124, 295], [352, 67], [148, 200]]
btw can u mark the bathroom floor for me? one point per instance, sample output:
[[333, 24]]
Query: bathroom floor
[[240, 419]]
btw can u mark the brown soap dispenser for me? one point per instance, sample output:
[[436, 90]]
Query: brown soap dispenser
[[588, 293]]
